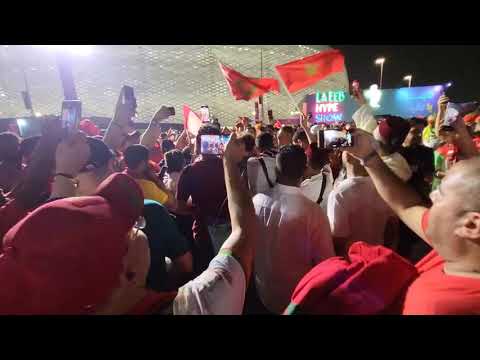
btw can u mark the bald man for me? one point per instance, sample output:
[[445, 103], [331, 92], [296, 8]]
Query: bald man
[[449, 280]]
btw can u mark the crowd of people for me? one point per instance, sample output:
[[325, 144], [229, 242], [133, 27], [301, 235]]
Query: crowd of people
[[120, 222]]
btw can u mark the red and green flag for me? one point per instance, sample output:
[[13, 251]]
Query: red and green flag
[[191, 121], [300, 74], [246, 88]]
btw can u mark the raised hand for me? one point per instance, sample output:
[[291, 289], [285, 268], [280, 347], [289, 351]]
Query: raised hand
[[72, 154], [234, 150]]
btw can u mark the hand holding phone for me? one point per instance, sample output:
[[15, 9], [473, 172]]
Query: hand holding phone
[[71, 114], [213, 144]]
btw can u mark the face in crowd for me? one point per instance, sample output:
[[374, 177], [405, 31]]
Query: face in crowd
[[454, 218]]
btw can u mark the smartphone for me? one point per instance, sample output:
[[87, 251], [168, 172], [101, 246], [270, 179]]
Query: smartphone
[[71, 114], [205, 113], [128, 97], [213, 144], [171, 111], [454, 111], [334, 139], [355, 87]]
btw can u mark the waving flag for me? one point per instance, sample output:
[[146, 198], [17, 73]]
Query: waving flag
[[246, 88], [191, 121], [300, 74]]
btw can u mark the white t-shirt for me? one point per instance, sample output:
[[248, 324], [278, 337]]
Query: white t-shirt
[[256, 178], [357, 212], [312, 187], [294, 237], [171, 181], [219, 290]]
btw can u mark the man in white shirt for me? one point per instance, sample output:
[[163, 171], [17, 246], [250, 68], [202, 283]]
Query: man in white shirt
[[355, 209], [261, 170], [294, 233], [319, 182]]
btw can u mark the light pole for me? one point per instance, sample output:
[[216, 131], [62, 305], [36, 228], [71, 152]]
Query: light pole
[[380, 62], [409, 79]]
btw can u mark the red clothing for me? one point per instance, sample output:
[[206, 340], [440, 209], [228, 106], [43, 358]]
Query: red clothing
[[204, 181], [10, 213], [436, 293], [476, 141]]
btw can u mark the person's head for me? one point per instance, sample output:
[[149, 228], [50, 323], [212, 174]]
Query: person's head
[[136, 158], [71, 256], [9, 147], [249, 143], [167, 145], [27, 147], [239, 128], [251, 131], [291, 163], [391, 133], [285, 135], [431, 120], [454, 218], [205, 129], [264, 142], [414, 136], [163, 136], [447, 134], [187, 155], [300, 138], [174, 161], [99, 166]]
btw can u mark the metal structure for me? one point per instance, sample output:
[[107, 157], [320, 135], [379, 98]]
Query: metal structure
[[161, 74]]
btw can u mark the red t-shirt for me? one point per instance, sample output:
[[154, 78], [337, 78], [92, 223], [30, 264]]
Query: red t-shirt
[[436, 293], [204, 181]]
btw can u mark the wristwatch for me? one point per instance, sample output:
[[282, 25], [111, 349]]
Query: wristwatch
[[367, 158]]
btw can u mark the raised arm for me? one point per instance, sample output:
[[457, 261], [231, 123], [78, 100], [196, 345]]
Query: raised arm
[[242, 214], [441, 108], [153, 131], [403, 200], [118, 127], [305, 126]]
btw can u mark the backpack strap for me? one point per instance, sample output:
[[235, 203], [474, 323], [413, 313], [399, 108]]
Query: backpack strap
[[322, 191], [264, 167]]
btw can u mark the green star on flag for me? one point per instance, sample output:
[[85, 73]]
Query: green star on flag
[[311, 69]]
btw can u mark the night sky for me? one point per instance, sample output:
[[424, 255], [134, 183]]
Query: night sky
[[429, 65]]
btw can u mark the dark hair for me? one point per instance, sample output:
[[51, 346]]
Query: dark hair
[[317, 157], [167, 145], [187, 154], [291, 162], [249, 141], [174, 161], [288, 129], [163, 135], [134, 155], [9, 146], [300, 135], [100, 154], [264, 141], [414, 121], [27, 146]]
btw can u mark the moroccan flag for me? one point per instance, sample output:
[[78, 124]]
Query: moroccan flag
[[191, 121], [300, 74], [246, 88]]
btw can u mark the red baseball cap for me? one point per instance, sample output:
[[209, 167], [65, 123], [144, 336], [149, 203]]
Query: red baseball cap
[[66, 257], [393, 130]]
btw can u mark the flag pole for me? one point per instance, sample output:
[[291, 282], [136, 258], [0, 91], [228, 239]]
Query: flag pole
[[288, 92], [261, 97]]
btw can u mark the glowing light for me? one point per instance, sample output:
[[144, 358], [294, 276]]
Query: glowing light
[[373, 94], [449, 84], [37, 114], [80, 50], [407, 78], [21, 122], [379, 61]]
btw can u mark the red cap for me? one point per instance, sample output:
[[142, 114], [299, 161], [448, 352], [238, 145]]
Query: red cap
[[67, 256], [471, 118], [89, 128], [393, 130]]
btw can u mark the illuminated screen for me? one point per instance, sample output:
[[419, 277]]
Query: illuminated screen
[[338, 106]]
